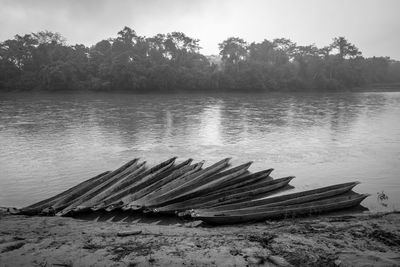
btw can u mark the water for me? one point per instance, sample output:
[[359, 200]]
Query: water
[[49, 142]]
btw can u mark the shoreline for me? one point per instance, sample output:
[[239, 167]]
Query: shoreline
[[367, 88], [370, 239]]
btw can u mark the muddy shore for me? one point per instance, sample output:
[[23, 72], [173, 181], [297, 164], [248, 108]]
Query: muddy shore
[[344, 240]]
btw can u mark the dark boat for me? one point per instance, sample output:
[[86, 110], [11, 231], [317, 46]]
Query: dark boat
[[288, 211], [287, 199], [216, 194]]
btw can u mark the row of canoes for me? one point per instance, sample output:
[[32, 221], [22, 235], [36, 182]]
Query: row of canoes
[[216, 194]]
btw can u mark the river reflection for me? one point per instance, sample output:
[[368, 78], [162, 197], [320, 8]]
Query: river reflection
[[49, 142]]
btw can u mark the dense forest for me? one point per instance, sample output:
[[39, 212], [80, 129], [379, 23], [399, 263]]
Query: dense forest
[[173, 63]]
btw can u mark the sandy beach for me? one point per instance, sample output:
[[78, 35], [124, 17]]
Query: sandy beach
[[342, 240]]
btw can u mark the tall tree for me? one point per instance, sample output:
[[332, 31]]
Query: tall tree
[[345, 48], [233, 50]]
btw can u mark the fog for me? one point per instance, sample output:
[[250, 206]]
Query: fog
[[372, 25]]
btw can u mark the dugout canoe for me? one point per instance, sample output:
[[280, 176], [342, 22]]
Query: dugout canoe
[[140, 203], [211, 184], [262, 176], [216, 194], [93, 192], [152, 175], [287, 199], [142, 188], [38, 207], [192, 181], [72, 201], [250, 192], [133, 202], [78, 189], [68, 202], [253, 191], [331, 204], [119, 185]]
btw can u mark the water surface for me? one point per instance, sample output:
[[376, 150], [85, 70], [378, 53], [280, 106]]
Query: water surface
[[49, 142]]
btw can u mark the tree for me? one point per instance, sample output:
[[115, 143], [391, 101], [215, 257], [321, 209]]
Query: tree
[[173, 62], [233, 50], [345, 49], [47, 37]]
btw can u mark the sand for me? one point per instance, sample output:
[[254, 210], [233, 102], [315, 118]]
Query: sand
[[349, 240]]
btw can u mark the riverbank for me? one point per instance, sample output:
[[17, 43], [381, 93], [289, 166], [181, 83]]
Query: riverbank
[[345, 240]]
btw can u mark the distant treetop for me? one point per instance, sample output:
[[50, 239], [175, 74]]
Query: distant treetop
[[173, 63]]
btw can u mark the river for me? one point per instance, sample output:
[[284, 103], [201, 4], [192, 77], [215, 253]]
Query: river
[[52, 141]]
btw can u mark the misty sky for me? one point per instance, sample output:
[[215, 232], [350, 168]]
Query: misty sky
[[372, 25]]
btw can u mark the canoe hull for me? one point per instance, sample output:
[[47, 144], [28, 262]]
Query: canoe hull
[[283, 212]]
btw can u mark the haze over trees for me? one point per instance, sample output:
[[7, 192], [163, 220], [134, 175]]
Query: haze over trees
[[172, 63]]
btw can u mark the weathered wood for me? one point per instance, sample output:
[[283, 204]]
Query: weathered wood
[[39, 206], [214, 182], [213, 169], [129, 189], [147, 181], [212, 194], [248, 179], [288, 199], [173, 184], [74, 200], [119, 185], [129, 233], [330, 204], [222, 198], [140, 202], [145, 189]]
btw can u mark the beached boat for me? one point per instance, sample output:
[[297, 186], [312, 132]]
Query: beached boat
[[132, 193], [315, 207], [129, 188], [209, 195], [38, 207], [257, 190], [287, 199], [216, 194], [195, 180]]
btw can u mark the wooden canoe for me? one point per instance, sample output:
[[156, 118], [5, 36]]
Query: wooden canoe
[[135, 199], [232, 196], [247, 179], [77, 190], [192, 203], [326, 205], [44, 204], [114, 177], [294, 198], [154, 172], [119, 185], [248, 192], [284, 200], [171, 184], [212, 184], [193, 180], [140, 188], [176, 173], [215, 194]]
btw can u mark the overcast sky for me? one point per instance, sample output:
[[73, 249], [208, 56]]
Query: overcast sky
[[372, 25]]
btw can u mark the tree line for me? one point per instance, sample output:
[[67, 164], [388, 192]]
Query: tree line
[[173, 63]]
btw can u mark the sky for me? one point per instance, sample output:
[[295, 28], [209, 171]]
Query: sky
[[372, 25]]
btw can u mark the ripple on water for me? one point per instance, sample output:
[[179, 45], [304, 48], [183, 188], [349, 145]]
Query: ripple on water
[[49, 142]]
